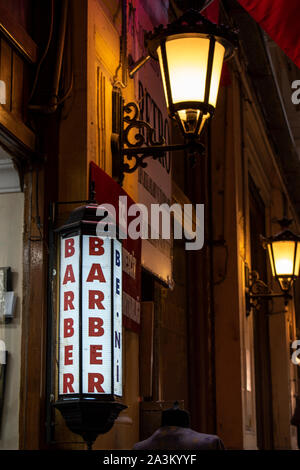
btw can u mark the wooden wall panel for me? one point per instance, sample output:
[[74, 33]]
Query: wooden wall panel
[[17, 85], [14, 71], [146, 349]]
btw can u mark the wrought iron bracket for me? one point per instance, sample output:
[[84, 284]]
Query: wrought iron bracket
[[133, 140], [257, 290]]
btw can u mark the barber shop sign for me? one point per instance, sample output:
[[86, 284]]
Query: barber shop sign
[[90, 323], [90, 338]]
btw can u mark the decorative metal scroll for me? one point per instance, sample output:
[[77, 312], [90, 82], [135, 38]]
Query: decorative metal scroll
[[258, 290], [134, 140], [140, 148], [257, 286]]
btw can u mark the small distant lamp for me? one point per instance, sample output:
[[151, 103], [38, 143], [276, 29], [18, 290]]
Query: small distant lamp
[[284, 254]]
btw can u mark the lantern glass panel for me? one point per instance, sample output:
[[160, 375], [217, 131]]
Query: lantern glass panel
[[216, 73], [187, 59], [271, 259], [284, 252], [189, 119], [297, 262]]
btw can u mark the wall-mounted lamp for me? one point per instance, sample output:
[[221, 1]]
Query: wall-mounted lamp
[[190, 51], [284, 254]]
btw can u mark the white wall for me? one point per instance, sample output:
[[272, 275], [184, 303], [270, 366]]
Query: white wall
[[11, 254]]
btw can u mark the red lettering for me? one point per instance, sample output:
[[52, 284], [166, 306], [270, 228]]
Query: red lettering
[[96, 274], [68, 327], [95, 325], [96, 246], [94, 383], [95, 299], [68, 355], [69, 274], [68, 300], [69, 247], [95, 354], [68, 380]]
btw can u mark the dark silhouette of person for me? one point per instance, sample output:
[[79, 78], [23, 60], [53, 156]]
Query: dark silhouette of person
[[175, 433]]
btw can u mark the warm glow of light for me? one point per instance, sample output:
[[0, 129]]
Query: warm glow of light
[[183, 114], [297, 262], [284, 252], [189, 118], [187, 59], [216, 73]]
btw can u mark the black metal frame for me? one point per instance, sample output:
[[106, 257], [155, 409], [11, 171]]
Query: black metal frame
[[125, 120], [257, 290], [192, 22]]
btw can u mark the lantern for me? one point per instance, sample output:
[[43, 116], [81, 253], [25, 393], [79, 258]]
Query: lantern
[[284, 254], [191, 52], [90, 326]]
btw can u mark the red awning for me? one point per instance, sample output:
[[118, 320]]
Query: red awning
[[212, 11], [280, 19]]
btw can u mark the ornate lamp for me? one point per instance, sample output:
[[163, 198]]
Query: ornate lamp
[[191, 52]]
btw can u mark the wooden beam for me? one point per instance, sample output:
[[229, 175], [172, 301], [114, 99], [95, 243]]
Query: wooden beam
[[17, 35], [17, 128]]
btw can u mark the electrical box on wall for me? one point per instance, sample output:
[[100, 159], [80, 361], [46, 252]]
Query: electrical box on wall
[[7, 296]]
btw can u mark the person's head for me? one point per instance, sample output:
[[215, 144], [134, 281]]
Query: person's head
[[175, 417]]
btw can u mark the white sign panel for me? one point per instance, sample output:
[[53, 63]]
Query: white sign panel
[[99, 282], [2, 296], [69, 316], [117, 302], [155, 181], [96, 315]]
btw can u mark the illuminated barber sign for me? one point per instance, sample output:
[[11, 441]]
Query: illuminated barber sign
[[90, 316]]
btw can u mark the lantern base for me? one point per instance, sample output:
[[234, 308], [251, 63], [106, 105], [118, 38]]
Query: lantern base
[[89, 418]]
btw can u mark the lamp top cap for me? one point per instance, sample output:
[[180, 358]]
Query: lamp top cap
[[195, 4], [192, 21], [86, 217], [284, 236], [285, 222]]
